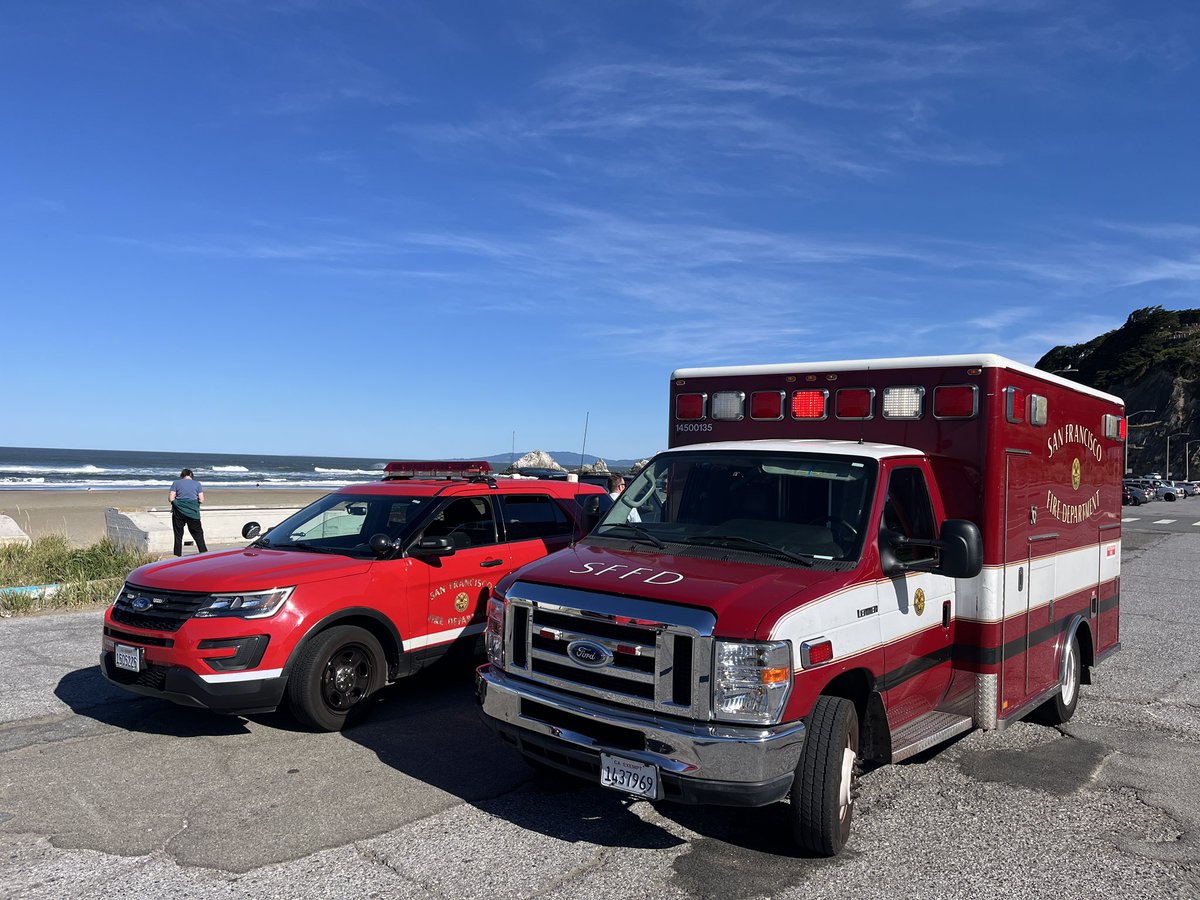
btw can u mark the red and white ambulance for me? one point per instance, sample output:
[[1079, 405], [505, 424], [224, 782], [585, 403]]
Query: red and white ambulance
[[367, 585], [834, 562]]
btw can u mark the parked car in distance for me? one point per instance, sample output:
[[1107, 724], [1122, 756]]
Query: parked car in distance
[[1131, 496]]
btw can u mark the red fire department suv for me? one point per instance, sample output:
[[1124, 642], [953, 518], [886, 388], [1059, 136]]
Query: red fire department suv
[[365, 586]]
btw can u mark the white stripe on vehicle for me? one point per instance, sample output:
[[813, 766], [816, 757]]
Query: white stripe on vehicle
[[226, 677], [441, 637]]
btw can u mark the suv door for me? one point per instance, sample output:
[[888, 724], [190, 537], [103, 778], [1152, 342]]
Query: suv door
[[534, 525]]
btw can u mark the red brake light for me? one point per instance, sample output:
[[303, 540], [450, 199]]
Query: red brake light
[[690, 406], [766, 405], [855, 403], [956, 401], [809, 404]]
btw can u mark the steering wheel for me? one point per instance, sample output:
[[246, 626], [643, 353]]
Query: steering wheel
[[843, 531]]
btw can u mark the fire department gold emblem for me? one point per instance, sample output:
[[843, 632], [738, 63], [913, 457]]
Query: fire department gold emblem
[[1075, 474], [462, 601], [919, 601]]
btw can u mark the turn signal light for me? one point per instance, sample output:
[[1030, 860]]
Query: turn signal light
[[776, 676]]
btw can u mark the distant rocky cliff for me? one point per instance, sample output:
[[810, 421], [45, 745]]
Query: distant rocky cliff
[[1153, 363]]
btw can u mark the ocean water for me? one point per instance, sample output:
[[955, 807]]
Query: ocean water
[[35, 468]]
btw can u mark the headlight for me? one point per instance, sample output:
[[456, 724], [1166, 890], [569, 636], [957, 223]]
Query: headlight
[[247, 605], [493, 635], [751, 680]]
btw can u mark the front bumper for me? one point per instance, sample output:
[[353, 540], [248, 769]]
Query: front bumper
[[185, 687], [698, 762]]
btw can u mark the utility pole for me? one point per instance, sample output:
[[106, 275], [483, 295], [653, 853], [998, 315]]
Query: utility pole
[[1128, 435], [1167, 468]]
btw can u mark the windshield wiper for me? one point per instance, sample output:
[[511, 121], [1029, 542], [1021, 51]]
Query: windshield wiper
[[305, 545], [803, 559], [641, 532]]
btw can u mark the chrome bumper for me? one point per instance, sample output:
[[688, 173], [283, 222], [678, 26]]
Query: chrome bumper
[[708, 762]]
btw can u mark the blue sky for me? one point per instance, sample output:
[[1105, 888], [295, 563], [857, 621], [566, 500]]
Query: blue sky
[[413, 229]]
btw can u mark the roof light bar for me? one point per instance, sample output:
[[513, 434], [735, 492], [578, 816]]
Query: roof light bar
[[436, 468], [903, 402]]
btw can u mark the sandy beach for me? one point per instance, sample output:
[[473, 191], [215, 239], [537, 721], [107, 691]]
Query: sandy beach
[[80, 514]]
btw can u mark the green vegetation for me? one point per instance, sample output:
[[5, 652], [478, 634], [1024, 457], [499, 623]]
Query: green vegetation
[[86, 576]]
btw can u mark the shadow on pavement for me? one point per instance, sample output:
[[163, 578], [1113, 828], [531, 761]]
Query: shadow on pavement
[[89, 694]]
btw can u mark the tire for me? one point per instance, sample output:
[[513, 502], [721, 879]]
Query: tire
[[337, 672], [1061, 707], [826, 783]]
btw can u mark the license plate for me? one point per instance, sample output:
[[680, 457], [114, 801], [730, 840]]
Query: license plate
[[128, 658], [631, 777]]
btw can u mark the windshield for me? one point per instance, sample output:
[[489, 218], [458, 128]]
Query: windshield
[[806, 505], [345, 523]]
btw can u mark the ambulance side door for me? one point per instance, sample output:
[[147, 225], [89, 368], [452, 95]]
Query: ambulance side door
[[916, 608], [461, 583]]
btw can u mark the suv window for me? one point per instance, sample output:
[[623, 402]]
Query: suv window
[[466, 521], [530, 516]]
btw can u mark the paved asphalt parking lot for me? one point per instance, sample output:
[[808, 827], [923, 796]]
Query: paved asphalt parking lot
[[104, 794]]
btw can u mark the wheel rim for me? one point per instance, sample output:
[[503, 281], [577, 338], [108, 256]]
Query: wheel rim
[[347, 677], [1071, 677], [846, 786]]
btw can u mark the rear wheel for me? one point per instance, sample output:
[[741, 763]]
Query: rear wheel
[[336, 673], [1061, 707], [826, 783]]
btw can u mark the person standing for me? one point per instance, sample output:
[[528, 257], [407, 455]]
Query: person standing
[[186, 496]]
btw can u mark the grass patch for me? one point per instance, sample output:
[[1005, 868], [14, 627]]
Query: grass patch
[[86, 576]]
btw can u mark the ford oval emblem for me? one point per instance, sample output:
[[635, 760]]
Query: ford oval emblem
[[140, 602], [589, 653]]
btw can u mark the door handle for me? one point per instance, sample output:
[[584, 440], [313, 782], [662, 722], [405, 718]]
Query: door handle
[[488, 563], [946, 614]]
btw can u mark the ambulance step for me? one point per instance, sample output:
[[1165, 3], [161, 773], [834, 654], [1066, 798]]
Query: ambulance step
[[927, 731]]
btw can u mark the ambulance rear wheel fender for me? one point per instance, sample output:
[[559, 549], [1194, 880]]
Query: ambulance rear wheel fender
[[381, 628], [1061, 707]]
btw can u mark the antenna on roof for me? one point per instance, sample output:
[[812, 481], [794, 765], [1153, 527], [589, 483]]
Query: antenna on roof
[[586, 417]]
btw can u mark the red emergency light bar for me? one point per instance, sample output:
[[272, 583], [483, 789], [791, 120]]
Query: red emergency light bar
[[436, 468]]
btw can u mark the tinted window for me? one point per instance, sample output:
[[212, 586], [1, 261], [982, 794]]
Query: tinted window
[[533, 516], [466, 522]]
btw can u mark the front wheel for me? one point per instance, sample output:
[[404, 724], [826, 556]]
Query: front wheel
[[335, 675], [826, 782]]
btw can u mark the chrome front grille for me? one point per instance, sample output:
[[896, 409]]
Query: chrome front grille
[[648, 655]]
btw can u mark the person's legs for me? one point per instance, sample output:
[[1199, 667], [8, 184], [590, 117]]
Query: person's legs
[[197, 531], [177, 521]]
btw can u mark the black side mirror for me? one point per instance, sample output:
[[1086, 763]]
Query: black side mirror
[[251, 530], [431, 547], [381, 545], [962, 549], [593, 508]]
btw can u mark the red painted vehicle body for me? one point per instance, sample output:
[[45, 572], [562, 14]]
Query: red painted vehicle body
[[833, 562], [367, 585]]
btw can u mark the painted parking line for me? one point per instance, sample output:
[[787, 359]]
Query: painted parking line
[[1132, 519], [1196, 523], [1163, 521]]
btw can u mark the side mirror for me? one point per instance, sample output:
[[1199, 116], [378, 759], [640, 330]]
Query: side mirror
[[593, 507], [251, 530], [962, 549], [381, 544], [431, 547]]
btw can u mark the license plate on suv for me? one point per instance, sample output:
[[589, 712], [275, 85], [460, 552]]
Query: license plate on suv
[[628, 776], [128, 658]]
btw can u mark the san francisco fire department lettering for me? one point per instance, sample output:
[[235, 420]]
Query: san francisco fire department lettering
[[1074, 434], [459, 584], [1072, 513]]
